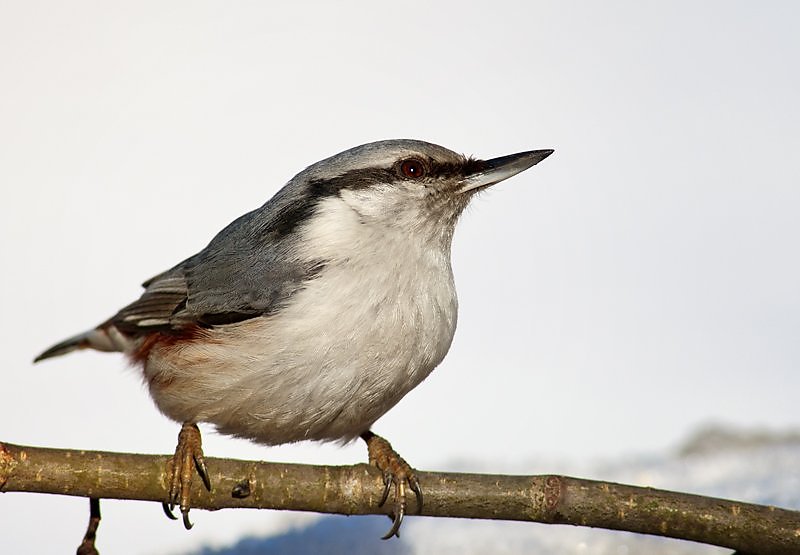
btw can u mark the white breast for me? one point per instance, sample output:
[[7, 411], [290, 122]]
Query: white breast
[[375, 322]]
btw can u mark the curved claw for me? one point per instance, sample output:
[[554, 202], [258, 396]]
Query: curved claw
[[200, 465], [168, 510], [186, 522], [413, 483], [398, 520], [387, 486]]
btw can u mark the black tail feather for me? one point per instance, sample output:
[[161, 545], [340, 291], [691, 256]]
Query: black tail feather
[[80, 341]]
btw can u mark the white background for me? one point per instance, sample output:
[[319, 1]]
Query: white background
[[642, 280]]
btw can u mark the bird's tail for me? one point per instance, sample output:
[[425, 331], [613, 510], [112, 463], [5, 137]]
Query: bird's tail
[[103, 338]]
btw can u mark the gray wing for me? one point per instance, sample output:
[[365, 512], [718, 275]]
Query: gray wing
[[248, 270]]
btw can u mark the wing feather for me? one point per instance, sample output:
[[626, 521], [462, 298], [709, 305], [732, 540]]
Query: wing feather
[[248, 270]]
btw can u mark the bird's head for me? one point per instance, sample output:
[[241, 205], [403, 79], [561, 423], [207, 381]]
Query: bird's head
[[408, 184]]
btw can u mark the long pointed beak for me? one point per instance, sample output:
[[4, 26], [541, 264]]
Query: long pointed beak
[[497, 169]]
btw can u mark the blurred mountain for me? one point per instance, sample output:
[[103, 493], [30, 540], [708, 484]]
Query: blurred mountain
[[716, 438]]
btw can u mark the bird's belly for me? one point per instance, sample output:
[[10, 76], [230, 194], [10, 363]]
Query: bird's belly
[[306, 373]]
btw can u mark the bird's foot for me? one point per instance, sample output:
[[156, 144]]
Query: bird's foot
[[181, 467], [397, 475]]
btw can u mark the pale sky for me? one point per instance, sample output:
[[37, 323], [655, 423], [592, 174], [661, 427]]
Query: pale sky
[[639, 282]]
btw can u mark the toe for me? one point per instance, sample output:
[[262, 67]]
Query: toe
[[398, 478], [181, 468]]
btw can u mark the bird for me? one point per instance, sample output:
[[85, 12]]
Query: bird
[[311, 316]]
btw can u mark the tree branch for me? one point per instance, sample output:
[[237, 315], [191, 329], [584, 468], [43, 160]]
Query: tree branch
[[354, 490]]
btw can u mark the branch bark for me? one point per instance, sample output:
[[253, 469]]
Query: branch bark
[[355, 490]]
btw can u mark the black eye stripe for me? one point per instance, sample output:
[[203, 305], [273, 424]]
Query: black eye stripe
[[367, 177]]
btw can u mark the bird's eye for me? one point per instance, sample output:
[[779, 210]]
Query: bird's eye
[[412, 169]]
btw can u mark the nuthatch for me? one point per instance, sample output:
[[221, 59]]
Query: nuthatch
[[313, 315]]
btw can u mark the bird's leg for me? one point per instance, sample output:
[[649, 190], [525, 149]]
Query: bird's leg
[[397, 474], [180, 470]]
